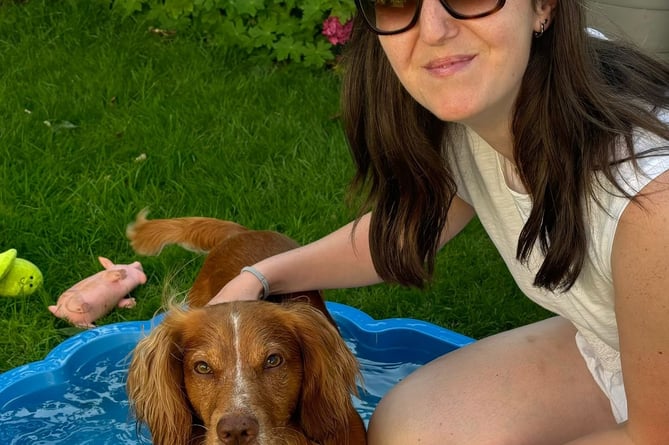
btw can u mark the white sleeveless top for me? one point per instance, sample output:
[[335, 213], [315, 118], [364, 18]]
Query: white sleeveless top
[[486, 180]]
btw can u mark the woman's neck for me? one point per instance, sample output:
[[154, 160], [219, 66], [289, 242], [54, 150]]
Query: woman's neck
[[499, 137]]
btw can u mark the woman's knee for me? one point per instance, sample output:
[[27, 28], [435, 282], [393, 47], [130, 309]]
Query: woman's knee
[[423, 409], [396, 418], [416, 412]]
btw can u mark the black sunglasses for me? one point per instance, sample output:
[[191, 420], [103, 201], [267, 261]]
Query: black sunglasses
[[387, 17]]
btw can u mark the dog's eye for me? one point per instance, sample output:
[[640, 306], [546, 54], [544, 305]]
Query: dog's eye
[[273, 360], [202, 368]]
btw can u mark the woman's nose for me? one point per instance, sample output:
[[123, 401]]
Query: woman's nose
[[435, 23]]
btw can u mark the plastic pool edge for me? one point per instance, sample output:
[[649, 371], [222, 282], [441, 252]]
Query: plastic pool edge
[[60, 356]]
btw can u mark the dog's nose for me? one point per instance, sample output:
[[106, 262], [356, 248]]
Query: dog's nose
[[237, 430]]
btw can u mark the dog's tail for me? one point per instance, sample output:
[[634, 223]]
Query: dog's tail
[[197, 234]]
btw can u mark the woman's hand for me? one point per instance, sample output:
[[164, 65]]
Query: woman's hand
[[244, 286]]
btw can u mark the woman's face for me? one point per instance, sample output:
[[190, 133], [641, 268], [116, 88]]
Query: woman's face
[[466, 71]]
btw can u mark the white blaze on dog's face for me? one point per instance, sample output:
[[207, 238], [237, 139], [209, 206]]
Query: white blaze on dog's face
[[243, 377]]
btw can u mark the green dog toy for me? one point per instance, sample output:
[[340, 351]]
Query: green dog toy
[[18, 277]]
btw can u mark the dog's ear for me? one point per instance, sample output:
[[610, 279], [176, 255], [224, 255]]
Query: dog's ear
[[330, 375], [155, 384]]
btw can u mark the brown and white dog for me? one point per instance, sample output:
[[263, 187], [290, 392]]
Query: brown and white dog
[[241, 373]]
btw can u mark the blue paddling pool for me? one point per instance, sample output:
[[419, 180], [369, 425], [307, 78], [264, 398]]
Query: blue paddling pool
[[76, 395]]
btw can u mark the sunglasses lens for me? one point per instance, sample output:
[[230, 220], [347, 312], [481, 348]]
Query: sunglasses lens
[[388, 15], [473, 8], [392, 16]]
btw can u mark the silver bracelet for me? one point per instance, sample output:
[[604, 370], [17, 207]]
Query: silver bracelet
[[255, 272]]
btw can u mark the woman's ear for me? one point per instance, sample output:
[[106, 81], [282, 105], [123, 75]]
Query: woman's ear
[[544, 12], [545, 9]]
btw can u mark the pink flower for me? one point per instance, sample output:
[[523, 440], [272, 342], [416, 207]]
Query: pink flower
[[337, 33]]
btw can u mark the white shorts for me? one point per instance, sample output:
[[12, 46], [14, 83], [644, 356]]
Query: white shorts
[[609, 380]]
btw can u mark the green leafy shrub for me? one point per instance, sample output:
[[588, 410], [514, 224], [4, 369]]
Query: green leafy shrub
[[287, 30]]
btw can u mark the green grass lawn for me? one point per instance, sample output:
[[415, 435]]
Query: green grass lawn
[[101, 119]]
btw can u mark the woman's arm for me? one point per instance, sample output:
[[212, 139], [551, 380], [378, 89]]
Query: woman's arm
[[640, 263], [335, 261]]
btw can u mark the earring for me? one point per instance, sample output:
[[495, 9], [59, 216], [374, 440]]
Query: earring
[[540, 33]]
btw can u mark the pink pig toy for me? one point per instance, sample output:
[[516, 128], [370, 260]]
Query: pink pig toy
[[96, 295]]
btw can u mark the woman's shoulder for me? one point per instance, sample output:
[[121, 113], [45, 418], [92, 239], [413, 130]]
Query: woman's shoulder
[[651, 150], [644, 139], [631, 174], [647, 157]]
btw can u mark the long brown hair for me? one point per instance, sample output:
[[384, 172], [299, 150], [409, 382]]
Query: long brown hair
[[580, 98]]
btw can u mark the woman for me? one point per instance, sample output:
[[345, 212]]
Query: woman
[[557, 141]]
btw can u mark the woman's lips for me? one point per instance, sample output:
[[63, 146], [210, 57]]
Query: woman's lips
[[448, 65]]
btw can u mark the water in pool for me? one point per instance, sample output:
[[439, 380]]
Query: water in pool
[[91, 407]]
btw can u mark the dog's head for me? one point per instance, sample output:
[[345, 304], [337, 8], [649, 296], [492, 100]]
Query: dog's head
[[249, 372]]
